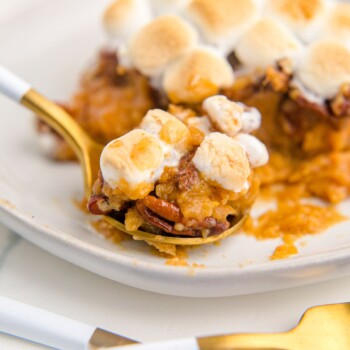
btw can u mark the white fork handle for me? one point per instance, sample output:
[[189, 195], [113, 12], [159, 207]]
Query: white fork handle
[[42, 326], [11, 85], [177, 344]]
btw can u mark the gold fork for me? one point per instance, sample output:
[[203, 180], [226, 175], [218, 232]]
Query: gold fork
[[324, 327], [87, 151]]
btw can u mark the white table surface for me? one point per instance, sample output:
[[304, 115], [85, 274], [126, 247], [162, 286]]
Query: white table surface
[[31, 275]]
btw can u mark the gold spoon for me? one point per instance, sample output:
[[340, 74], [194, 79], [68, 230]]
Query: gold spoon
[[87, 151]]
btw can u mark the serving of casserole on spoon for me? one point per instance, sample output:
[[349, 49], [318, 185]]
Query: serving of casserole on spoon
[[181, 182]]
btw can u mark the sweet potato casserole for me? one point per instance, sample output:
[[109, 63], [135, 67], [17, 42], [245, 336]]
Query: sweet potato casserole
[[168, 180], [288, 59]]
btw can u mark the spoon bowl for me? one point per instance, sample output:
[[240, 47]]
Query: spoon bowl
[[88, 153]]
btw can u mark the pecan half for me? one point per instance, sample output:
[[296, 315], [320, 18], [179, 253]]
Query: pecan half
[[167, 210], [165, 215], [153, 219]]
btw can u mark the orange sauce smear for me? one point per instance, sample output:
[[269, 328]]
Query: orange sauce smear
[[290, 221]]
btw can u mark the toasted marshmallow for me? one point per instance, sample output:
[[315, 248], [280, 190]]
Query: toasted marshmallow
[[161, 7], [197, 75], [337, 24], [223, 22], [167, 127], [225, 115], [251, 118], [202, 124], [265, 43], [132, 160], [324, 67], [303, 17], [160, 42], [223, 161], [255, 149], [124, 17]]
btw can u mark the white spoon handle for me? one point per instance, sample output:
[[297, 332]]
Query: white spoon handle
[[42, 326], [11, 85]]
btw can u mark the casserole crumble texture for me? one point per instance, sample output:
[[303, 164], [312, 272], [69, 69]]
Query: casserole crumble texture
[[308, 144], [290, 221]]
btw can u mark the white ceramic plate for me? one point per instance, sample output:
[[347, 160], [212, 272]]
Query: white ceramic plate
[[49, 43]]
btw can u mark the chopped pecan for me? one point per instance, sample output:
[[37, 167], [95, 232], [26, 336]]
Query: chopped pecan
[[218, 227], [296, 95], [211, 224], [234, 61], [278, 77], [187, 175], [340, 105], [108, 67], [99, 205]]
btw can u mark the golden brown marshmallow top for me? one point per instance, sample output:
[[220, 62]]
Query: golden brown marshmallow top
[[159, 42], [197, 75], [325, 67]]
